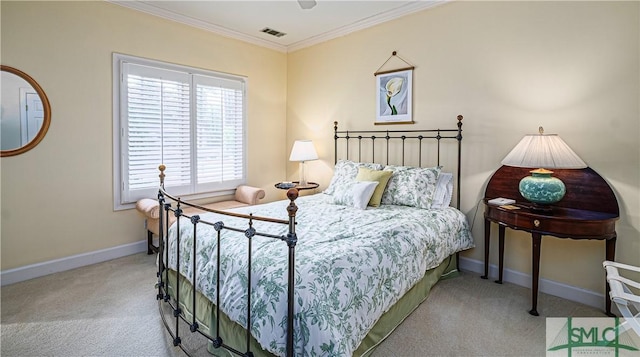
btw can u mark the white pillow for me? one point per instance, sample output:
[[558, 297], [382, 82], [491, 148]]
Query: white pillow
[[355, 194], [444, 191], [346, 171]]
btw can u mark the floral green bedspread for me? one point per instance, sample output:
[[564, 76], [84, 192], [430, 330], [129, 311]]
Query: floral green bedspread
[[351, 266]]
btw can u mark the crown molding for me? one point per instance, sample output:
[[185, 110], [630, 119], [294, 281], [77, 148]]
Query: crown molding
[[223, 31], [371, 21], [366, 23]]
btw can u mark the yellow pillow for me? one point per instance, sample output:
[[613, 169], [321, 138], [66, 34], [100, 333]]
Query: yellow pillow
[[365, 174]]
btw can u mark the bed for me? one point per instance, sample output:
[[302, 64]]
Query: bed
[[334, 278]]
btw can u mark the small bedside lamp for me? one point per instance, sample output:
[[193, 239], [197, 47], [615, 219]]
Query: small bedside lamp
[[543, 151], [303, 150]]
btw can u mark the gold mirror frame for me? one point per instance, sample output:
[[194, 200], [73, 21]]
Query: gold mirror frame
[[47, 113]]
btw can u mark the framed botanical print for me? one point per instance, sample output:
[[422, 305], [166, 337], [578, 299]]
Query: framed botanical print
[[394, 97]]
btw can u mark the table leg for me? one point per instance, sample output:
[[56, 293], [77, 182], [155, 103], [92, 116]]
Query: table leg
[[611, 256], [487, 236], [536, 240], [501, 253]]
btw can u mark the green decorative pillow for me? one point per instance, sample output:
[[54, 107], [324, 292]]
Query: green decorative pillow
[[411, 186], [382, 177]]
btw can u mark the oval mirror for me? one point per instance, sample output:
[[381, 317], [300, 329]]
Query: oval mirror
[[25, 113]]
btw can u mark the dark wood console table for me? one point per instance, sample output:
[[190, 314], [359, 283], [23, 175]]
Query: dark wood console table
[[589, 210]]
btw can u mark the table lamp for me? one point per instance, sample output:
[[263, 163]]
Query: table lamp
[[543, 152], [303, 150]]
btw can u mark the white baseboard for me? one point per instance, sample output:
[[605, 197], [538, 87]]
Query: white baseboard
[[550, 287], [75, 261]]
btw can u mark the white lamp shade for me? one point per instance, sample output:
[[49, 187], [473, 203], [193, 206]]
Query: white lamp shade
[[303, 150], [547, 151]]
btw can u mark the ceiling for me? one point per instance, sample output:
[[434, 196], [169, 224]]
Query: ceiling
[[245, 20]]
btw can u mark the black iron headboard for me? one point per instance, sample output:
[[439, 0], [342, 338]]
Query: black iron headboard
[[405, 139]]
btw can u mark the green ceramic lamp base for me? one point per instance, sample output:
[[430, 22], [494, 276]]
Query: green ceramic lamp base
[[542, 189]]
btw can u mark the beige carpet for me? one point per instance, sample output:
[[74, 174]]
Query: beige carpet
[[110, 309]]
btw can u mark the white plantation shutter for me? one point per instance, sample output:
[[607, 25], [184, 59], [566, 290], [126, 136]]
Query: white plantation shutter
[[220, 133], [192, 123]]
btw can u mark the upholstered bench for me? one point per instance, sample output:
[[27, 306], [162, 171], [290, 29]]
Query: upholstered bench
[[244, 196]]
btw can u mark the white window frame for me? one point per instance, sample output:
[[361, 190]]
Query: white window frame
[[120, 138]]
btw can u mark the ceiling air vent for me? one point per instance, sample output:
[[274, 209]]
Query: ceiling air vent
[[273, 32]]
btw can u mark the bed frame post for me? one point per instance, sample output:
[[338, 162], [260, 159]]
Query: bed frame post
[[177, 310], [160, 284], [249, 233], [335, 142], [459, 138], [164, 227], [292, 239]]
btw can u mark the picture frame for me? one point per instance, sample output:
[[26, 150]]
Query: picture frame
[[394, 97]]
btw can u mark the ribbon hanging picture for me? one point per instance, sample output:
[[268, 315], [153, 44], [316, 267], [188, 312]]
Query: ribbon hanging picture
[[394, 95]]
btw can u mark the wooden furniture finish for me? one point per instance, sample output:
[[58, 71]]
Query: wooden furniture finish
[[589, 210]]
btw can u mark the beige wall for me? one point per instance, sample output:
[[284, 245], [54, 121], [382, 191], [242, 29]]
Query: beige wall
[[57, 198], [508, 67]]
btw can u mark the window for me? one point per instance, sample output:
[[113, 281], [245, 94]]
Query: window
[[189, 119]]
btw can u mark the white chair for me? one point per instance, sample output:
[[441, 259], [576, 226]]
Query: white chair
[[627, 302]]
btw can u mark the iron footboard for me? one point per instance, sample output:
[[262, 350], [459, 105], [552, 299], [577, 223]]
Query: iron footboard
[[249, 232]]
